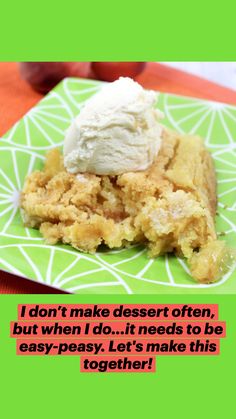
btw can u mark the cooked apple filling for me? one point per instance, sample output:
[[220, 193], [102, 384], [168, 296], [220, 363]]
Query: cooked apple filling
[[170, 207]]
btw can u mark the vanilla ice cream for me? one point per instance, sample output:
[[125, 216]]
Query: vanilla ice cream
[[117, 131]]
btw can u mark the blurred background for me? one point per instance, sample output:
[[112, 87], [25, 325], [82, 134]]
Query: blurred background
[[223, 73], [42, 76]]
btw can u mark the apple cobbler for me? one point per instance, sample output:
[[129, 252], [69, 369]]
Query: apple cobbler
[[170, 207]]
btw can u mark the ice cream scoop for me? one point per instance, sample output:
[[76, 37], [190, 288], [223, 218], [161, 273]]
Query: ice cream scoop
[[117, 131]]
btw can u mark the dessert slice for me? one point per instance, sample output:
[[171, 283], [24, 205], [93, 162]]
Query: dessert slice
[[170, 207]]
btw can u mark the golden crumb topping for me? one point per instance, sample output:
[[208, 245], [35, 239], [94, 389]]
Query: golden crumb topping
[[170, 207]]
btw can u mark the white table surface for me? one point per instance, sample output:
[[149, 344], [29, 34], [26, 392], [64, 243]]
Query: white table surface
[[223, 73]]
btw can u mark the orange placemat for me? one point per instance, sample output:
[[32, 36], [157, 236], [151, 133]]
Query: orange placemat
[[17, 97]]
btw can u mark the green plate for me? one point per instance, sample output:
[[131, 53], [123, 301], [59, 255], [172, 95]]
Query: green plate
[[23, 251]]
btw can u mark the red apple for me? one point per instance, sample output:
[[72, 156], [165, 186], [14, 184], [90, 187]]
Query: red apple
[[110, 71], [43, 76]]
